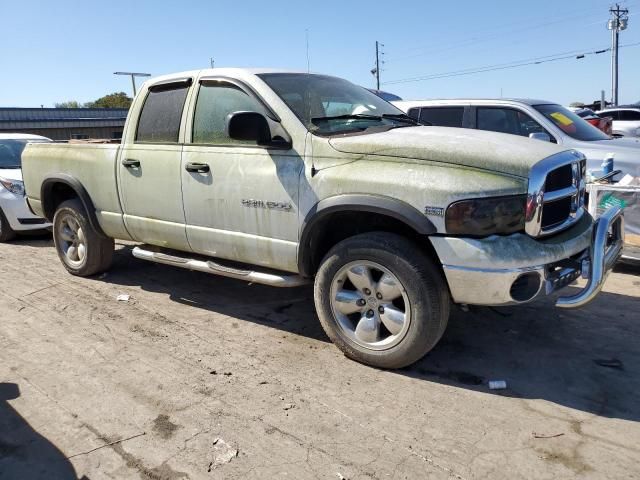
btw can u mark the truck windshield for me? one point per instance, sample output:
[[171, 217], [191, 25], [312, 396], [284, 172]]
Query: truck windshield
[[571, 124], [329, 105], [10, 153]]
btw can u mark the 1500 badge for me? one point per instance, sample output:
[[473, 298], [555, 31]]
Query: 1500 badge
[[250, 202]]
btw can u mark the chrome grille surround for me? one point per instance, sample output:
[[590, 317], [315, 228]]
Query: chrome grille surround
[[537, 197]]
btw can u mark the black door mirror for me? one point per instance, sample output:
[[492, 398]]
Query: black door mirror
[[248, 126]]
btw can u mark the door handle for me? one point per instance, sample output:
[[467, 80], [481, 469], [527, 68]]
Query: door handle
[[197, 167], [131, 163]]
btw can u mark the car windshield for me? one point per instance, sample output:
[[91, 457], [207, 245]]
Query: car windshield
[[10, 153], [330, 106], [571, 124]]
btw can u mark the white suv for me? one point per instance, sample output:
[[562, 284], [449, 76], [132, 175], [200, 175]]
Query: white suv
[[626, 120], [15, 216]]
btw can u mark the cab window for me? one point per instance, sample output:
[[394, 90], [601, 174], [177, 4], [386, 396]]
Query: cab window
[[442, 116], [507, 120], [161, 114], [216, 100]]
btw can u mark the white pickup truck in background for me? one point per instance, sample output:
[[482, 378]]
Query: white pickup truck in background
[[537, 119]]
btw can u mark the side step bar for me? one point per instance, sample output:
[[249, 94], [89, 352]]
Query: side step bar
[[208, 266]]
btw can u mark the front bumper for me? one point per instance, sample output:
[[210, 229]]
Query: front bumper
[[518, 268], [18, 214]]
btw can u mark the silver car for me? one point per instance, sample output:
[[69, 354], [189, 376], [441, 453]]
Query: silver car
[[538, 119], [15, 216]]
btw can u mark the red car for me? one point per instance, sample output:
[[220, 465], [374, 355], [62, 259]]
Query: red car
[[601, 123]]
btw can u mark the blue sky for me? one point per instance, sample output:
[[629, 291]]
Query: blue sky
[[66, 49]]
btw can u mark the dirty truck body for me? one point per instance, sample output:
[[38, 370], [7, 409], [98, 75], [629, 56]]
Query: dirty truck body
[[280, 178]]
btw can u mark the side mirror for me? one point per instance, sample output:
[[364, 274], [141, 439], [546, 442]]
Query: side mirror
[[248, 126], [540, 136]]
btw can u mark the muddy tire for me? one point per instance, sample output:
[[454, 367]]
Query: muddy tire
[[381, 300], [82, 250], [6, 232]]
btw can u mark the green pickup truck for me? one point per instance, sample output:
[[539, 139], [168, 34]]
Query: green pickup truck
[[285, 178]]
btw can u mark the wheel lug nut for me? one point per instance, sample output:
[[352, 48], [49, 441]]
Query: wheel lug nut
[[367, 291], [370, 314], [381, 309], [379, 296], [360, 302]]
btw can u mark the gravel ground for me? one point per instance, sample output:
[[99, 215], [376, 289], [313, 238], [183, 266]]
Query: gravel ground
[[198, 376]]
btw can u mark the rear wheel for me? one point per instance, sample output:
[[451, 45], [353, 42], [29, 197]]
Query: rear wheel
[[81, 249], [6, 232], [381, 300]]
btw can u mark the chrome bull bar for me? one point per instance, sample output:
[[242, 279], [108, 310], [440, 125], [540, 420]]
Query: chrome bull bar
[[605, 250]]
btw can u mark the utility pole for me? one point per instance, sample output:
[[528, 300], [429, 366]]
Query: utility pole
[[212, 62], [133, 76], [376, 70], [618, 22]]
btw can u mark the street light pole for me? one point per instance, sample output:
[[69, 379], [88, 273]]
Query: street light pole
[[133, 76]]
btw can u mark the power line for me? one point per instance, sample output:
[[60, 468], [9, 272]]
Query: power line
[[491, 36], [504, 66]]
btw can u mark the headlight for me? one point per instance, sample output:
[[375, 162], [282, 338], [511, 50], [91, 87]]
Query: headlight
[[14, 186], [486, 216]]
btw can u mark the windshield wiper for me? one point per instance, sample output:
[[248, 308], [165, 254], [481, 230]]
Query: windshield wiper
[[401, 117], [356, 116]]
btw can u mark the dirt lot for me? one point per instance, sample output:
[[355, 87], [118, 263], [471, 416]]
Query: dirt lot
[[206, 377]]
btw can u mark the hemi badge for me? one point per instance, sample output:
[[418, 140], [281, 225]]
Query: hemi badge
[[436, 211]]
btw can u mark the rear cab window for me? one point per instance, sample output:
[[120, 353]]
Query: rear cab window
[[442, 116], [161, 114]]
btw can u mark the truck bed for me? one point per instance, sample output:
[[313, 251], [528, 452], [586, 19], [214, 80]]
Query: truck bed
[[42, 161]]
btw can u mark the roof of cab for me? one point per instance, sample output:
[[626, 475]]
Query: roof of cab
[[220, 71], [474, 101]]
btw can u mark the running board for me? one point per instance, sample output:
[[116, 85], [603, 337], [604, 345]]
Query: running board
[[207, 266]]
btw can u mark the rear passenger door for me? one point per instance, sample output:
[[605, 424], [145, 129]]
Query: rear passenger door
[[149, 170]]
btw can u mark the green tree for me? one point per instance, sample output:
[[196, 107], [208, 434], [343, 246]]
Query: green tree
[[69, 104], [113, 100]]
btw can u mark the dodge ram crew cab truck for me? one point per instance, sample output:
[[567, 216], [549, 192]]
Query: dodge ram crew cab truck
[[279, 178]]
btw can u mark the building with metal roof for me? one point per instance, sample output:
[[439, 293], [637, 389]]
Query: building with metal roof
[[65, 123]]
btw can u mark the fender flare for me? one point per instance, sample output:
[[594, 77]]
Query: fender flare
[[47, 205], [379, 204]]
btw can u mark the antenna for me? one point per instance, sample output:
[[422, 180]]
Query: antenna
[[306, 34]]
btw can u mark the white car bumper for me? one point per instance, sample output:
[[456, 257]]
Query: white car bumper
[[18, 214]]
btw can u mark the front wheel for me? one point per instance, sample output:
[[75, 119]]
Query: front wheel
[[381, 300], [82, 250]]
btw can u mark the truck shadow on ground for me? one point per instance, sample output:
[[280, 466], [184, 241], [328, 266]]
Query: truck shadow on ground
[[586, 359], [24, 453]]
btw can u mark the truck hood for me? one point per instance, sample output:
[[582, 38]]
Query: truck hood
[[11, 173], [498, 152]]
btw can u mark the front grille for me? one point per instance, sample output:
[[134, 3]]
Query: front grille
[[556, 193], [554, 213], [559, 178]]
